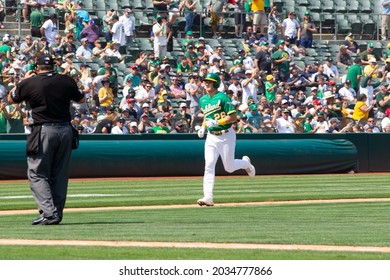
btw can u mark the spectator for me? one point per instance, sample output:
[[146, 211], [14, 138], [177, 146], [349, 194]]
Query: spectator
[[343, 57], [244, 126], [182, 113], [296, 82], [146, 94], [82, 52], [370, 126], [70, 24], [107, 23], [320, 125], [120, 127], [354, 74], [347, 92], [56, 47], [259, 15], [270, 88], [36, 19], [274, 24], [283, 121], [330, 69], [134, 75], [106, 97], [306, 30], [351, 45], [160, 36], [263, 61], [369, 53], [299, 50], [161, 6], [49, 29], [117, 31], [69, 46], [290, 28], [189, 15], [382, 100], [29, 47], [385, 123], [176, 92], [281, 60], [91, 33], [217, 9], [145, 124], [98, 51], [194, 90], [385, 20], [112, 50], [250, 85], [372, 69], [320, 73], [160, 127], [239, 18], [128, 22], [82, 15], [133, 128], [106, 123]]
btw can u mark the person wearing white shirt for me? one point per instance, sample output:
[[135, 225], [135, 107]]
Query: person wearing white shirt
[[117, 31], [250, 85], [120, 127], [321, 125], [290, 28], [160, 36], [49, 29], [330, 69], [346, 92], [128, 22], [284, 123], [82, 51]]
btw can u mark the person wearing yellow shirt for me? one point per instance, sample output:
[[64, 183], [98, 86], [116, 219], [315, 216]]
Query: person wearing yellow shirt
[[259, 15], [106, 97], [361, 109], [372, 68]]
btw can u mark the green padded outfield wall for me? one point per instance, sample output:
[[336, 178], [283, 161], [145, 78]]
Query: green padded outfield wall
[[182, 155]]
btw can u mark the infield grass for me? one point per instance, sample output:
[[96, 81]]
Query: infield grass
[[352, 223]]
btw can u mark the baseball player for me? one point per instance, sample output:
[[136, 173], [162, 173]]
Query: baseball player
[[219, 114]]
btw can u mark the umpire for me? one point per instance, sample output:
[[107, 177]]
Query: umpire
[[49, 146]]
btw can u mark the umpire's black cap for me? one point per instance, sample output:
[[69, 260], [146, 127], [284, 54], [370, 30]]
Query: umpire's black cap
[[45, 59]]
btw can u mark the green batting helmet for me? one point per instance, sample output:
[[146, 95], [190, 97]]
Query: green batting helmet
[[214, 78]]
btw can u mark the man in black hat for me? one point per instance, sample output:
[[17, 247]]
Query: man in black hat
[[48, 95]]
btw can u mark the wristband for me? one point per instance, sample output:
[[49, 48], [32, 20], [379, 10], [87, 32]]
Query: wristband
[[222, 121], [204, 124]]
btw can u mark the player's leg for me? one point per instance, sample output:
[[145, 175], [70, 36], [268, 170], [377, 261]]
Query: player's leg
[[226, 150], [211, 157]]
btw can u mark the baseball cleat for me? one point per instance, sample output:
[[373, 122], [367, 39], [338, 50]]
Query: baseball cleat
[[251, 169], [205, 202]]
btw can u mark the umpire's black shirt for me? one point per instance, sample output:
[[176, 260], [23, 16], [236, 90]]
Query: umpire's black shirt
[[48, 95]]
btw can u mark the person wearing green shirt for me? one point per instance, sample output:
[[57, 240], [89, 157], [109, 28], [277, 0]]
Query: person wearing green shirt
[[270, 88], [281, 61], [36, 19], [355, 73], [160, 127], [219, 114], [3, 117]]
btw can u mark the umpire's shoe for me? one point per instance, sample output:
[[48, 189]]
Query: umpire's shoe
[[41, 220]]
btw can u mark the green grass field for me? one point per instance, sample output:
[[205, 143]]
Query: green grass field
[[335, 223]]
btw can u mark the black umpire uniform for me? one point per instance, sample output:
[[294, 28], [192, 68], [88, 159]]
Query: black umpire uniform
[[48, 95]]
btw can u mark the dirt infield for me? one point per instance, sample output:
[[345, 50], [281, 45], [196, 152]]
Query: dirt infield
[[25, 242]]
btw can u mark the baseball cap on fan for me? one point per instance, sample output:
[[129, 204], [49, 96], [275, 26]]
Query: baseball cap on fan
[[45, 59]]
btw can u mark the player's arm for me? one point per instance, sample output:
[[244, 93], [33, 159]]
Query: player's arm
[[229, 118]]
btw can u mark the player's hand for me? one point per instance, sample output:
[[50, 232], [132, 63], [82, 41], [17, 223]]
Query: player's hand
[[211, 123], [201, 132]]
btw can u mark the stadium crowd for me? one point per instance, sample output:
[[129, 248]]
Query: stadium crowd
[[270, 92]]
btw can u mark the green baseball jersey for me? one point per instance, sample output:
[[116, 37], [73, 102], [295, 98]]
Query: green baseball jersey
[[217, 107]]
